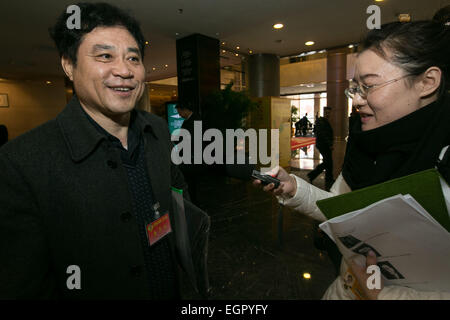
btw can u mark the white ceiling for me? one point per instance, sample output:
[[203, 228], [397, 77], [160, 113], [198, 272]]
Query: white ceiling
[[28, 53]]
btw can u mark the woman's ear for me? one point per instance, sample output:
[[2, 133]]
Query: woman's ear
[[430, 82], [67, 66]]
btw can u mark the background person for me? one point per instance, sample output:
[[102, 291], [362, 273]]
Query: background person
[[304, 124], [400, 91], [324, 143], [3, 134]]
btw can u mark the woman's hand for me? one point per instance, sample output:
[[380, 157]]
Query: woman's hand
[[362, 276], [288, 184]]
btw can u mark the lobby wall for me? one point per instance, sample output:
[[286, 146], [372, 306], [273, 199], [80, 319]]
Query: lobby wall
[[31, 103]]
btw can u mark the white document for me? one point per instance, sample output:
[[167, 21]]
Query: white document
[[412, 248]]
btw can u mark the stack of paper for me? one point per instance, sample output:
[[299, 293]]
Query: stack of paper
[[412, 248]]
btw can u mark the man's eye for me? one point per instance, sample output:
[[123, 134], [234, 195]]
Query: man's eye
[[135, 59], [105, 56]]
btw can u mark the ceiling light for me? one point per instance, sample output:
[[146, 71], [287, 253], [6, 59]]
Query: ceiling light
[[309, 43], [278, 26], [223, 43], [48, 82], [307, 275], [250, 51], [146, 42], [238, 48], [166, 65], [153, 68], [223, 51], [351, 46], [236, 54]]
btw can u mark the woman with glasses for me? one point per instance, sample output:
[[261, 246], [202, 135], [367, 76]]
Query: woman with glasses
[[400, 90]]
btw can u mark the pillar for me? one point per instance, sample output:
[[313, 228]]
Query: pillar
[[264, 75], [336, 99], [198, 69]]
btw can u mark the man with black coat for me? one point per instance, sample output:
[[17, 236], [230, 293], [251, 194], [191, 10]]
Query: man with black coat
[[86, 201]]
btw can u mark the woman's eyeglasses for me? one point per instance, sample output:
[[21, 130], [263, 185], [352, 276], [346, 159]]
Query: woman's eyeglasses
[[364, 90]]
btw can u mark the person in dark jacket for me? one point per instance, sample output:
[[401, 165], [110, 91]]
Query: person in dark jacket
[[86, 200], [304, 124], [324, 142], [3, 134]]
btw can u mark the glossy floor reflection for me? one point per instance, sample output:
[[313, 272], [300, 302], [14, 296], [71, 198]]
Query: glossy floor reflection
[[246, 260]]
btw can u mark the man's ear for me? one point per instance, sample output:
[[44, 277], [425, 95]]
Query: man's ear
[[67, 66], [431, 80]]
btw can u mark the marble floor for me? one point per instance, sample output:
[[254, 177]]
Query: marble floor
[[248, 258]]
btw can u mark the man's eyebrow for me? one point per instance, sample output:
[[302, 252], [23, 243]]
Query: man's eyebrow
[[134, 49], [100, 47]]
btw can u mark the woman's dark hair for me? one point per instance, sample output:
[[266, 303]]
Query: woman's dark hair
[[414, 47], [92, 15]]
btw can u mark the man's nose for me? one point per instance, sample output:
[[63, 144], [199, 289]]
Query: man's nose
[[122, 69]]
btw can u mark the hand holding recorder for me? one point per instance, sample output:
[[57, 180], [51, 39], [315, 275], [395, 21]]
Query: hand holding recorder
[[276, 181]]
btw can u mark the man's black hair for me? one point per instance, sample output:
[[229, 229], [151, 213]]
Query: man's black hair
[[443, 15], [92, 15]]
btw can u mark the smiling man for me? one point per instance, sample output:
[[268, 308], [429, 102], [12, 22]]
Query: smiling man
[[86, 207]]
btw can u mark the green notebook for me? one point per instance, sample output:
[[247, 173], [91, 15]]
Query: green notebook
[[424, 186]]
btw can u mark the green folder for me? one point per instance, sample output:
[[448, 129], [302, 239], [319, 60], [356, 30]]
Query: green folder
[[424, 186]]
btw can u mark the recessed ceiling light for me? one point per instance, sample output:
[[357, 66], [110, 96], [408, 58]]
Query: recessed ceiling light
[[250, 51], [146, 42], [237, 47], [309, 43], [166, 65], [307, 275], [278, 26], [236, 54]]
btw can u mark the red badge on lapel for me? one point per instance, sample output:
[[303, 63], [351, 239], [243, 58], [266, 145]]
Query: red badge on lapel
[[158, 229]]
